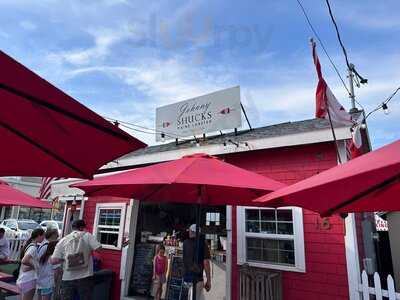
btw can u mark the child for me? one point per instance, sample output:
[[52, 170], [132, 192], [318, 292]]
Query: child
[[26, 281], [46, 271], [159, 271]]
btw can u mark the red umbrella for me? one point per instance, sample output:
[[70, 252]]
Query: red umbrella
[[181, 181], [368, 183], [10, 197], [200, 178], [45, 132]]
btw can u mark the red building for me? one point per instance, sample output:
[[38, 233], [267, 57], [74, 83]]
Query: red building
[[315, 258]]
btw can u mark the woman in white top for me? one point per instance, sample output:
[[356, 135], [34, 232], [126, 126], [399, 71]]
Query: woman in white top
[[26, 281], [45, 281]]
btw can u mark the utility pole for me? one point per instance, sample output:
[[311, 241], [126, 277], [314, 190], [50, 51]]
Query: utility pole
[[351, 86]]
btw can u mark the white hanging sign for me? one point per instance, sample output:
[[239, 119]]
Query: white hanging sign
[[209, 113]]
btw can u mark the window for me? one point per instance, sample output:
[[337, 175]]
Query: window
[[212, 218], [271, 238], [109, 224]]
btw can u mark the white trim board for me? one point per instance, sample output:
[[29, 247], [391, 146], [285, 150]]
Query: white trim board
[[304, 138]]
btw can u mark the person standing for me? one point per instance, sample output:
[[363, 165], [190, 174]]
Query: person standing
[[4, 246], [75, 252], [46, 271], [160, 265], [27, 277], [195, 264]]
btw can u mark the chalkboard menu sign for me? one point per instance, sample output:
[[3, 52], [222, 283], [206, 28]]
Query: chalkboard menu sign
[[141, 279], [176, 290]]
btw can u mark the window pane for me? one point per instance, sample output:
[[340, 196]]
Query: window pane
[[252, 226], [108, 239], [285, 228], [268, 214], [286, 252], [254, 243], [270, 256], [286, 257], [285, 215], [270, 244], [252, 214], [270, 251], [254, 254], [268, 227], [286, 245]]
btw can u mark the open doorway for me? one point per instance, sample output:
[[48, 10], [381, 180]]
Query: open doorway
[[167, 224]]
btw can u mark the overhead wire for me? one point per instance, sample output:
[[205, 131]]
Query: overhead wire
[[322, 45], [387, 100], [338, 33], [350, 66], [153, 131]]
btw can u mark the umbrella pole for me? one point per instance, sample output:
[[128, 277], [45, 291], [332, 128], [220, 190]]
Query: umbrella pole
[[197, 243]]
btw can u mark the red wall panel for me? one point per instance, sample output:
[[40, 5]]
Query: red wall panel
[[326, 274]]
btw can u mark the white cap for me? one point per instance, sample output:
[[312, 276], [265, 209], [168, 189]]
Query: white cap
[[192, 228]]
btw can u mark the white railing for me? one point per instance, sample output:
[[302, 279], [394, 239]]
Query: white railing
[[15, 248], [366, 291]]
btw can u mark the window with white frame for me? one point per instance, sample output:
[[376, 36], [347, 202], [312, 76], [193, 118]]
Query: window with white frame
[[271, 238], [109, 224]]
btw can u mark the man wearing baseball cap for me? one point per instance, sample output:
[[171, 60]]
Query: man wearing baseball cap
[[194, 268]]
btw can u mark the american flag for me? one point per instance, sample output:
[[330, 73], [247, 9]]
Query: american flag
[[45, 189]]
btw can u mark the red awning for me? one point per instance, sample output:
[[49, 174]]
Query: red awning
[[46, 133], [13, 197], [368, 183], [180, 180]]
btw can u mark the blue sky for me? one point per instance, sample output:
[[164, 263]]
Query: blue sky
[[124, 58]]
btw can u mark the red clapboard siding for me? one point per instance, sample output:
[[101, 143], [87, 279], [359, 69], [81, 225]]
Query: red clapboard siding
[[326, 274]]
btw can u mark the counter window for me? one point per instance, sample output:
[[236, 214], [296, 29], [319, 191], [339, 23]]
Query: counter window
[[271, 238], [109, 222]]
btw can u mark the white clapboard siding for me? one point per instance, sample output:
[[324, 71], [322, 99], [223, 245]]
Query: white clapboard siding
[[376, 291], [15, 248]]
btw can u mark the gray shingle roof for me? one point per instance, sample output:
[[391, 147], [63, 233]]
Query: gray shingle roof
[[242, 136]]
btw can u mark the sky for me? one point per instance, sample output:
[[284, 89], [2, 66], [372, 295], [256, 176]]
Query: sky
[[124, 58]]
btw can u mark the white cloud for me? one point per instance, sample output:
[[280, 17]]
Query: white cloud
[[103, 40]]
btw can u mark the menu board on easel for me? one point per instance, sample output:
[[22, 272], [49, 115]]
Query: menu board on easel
[[176, 290], [142, 269]]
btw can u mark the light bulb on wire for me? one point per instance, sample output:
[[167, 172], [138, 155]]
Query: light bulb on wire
[[385, 109]]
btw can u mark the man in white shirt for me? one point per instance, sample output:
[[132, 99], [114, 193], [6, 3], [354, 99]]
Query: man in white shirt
[[75, 252], [4, 246]]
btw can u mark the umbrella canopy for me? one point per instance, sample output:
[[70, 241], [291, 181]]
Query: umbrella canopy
[[368, 183], [45, 132], [195, 179], [180, 180], [10, 197]]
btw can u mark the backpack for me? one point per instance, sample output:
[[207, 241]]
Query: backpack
[[77, 252]]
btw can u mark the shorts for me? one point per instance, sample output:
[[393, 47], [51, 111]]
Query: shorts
[[45, 291], [160, 280], [25, 287]]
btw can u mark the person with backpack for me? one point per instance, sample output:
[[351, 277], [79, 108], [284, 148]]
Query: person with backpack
[[27, 276], [46, 271], [75, 252]]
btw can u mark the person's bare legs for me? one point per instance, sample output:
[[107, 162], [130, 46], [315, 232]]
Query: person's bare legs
[[44, 297], [28, 295], [158, 292]]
